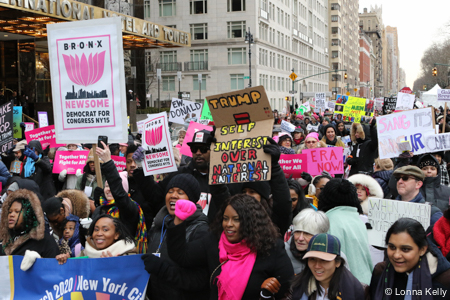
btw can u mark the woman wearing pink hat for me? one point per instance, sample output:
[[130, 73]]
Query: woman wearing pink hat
[[311, 142]]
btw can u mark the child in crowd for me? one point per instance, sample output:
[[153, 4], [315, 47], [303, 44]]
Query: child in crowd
[[69, 244]]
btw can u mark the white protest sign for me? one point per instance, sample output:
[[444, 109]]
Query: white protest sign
[[88, 80], [384, 212], [181, 110], [320, 101], [405, 101], [379, 104], [410, 125], [443, 95], [286, 126], [437, 142], [140, 126], [330, 105], [156, 142], [307, 106]]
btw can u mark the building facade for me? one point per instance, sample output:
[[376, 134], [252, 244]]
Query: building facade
[[365, 66], [287, 35], [344, 44], [394, 53]]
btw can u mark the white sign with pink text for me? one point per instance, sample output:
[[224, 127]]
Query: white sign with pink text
[[158, 158], [88, 81]]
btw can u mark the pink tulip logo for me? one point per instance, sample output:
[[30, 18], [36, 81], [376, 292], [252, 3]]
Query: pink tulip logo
[[153, 136], [85, 71]]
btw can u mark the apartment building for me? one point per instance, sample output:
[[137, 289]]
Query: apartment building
[[365, 65], [286, 35], [394, 53]]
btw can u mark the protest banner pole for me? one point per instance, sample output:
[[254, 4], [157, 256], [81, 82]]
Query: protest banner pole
[[98, 171], [445, 114]]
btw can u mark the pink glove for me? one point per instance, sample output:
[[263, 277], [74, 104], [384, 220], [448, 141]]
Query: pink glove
[[184, 209]]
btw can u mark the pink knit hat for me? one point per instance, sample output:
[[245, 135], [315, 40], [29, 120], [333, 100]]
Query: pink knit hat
[[313, 135]]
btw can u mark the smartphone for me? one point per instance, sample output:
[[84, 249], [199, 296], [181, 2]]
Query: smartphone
[[102, 138]]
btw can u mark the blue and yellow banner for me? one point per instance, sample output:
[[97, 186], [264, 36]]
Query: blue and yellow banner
[[17, 119], [115, 278]]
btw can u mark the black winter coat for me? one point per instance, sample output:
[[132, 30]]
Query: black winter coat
[[169, 284], [47, 247], [128, 211], [364, 153], [205, 253], [382, 177]]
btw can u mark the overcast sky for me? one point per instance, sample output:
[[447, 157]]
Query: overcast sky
[[419, 24]]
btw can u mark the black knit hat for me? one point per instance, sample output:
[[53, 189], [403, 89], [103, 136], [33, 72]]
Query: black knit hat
[[188, 184], [428, 160], [328, 126], [261, 187], [338, 192]]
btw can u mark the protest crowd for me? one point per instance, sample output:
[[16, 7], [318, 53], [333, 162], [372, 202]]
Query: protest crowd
[[318, 205]]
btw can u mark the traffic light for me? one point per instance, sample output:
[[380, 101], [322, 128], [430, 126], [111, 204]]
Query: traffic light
[[434, 72], [424, 87], [345, 76], [287, 98]]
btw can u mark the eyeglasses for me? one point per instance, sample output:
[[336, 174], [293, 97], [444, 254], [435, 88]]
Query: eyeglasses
[[311, 142], [404, 178], [203, 149]]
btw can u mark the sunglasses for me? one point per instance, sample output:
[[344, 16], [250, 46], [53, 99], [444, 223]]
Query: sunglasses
[[311, 142], [404, 178], [203, 149]]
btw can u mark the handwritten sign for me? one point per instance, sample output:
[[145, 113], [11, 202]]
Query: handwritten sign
[[243, 118], [320, 101], [156, 142], [45, 135], [17, 118], [379, 104], [181, 110], [29, 126], [286, 126], [16, 167], [6, 126], [405, 101], [206, 113], [443, 95], [293, 164], [43, 119], [120, 162], [410, 125], [70, 161], [140, 126], [389, 104], [325, 159], [330, 105], [384, 212]]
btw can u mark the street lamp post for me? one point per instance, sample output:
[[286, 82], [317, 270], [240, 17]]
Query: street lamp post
[[200, 86], [249, 40], [179, 83]]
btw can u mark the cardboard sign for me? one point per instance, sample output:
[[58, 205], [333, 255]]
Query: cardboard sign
[[437, 142], [70, 161], [206, 113], [16, 167], [328, 159], [88, 80], [443, 95], [156, 141], [389, 104], [384, 212], [286, 126], [182, 110], [293, 164], [83, 278], [120, 162], [405, 101], [42, 119], [6, 126], [17, 119], [320, 101], [410, 125], [29, 126], [243, 119], [45, 135], [192, 129]]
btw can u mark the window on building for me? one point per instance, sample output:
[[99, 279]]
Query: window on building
[[264, 5], [199, 59], [236, 5], [168, 56], [335, 30], [335, 42], [196, 85], [236, 56], [146, 9], [198, 6], [199, 31], [334, 18], [335, 6], [237, 81], [334, 54], [335, 66], [236, 29], [168, 83], [167, 8]]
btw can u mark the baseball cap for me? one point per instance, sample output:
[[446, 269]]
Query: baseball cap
[[323, 246], [411, 171], [201, 137], [20, 146]]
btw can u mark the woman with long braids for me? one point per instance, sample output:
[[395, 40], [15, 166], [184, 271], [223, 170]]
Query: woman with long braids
[[23, 226]]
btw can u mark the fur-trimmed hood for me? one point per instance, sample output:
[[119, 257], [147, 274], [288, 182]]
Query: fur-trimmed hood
[[320, 144], [357, 127], [80, 202], [36, 233], [374, 187]]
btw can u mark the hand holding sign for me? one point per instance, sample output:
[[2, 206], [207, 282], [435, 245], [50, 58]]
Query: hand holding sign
[[273, 150]]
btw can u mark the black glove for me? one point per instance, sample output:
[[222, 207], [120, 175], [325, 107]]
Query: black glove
[[138, 173], [374, 121], [306, 176], [273, 149], [212, 138], [152, 263], [98, 192]]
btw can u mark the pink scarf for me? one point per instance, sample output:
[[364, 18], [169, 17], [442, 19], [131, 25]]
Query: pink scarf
[[233, 279]]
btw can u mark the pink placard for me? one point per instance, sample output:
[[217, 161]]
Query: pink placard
[[328, 159], [293, 164], [70, 161], [45, 135], [192, 129], [120, 162], [29, 126]]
